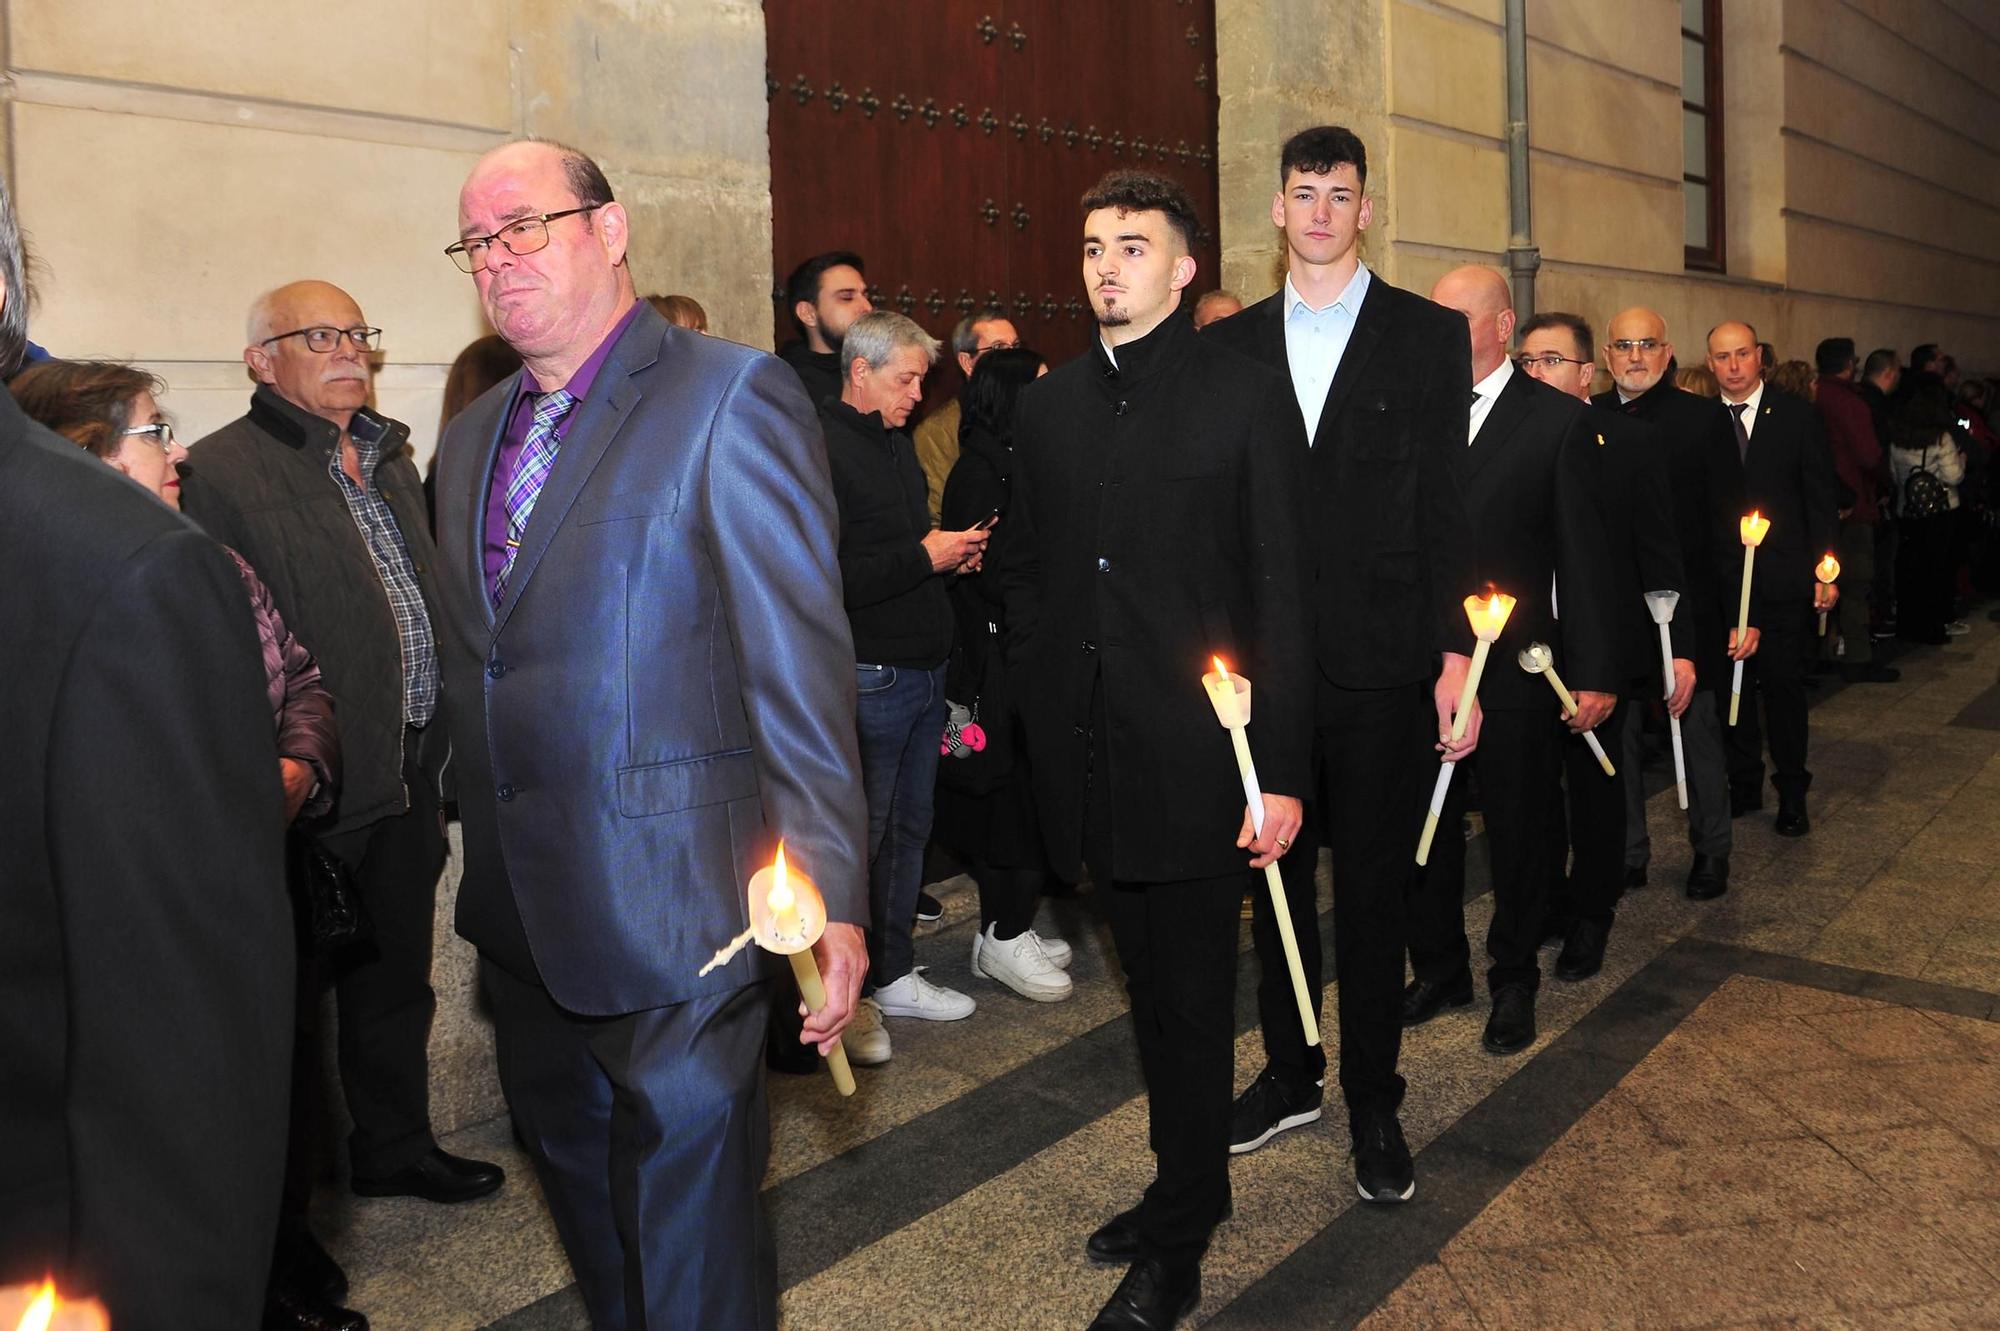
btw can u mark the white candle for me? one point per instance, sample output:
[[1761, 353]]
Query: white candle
[[1826, 571], [1661, 606], [1752, 528], [1488, 616]]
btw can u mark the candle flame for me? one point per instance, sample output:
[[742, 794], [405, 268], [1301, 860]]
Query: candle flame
[[1220, 668], [782, 897], [1488, 614], [1829, 568], [1753, 527], [41, 1310]]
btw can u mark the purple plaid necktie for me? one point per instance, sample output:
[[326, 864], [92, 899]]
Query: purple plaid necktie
[[538, 458]]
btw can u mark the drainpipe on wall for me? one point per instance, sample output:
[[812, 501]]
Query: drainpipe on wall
[[1522, 256]]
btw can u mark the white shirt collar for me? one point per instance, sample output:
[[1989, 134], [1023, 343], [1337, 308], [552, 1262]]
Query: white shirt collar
[[1754, 401], [1110, 352], [1349, 299], [1490, 386]]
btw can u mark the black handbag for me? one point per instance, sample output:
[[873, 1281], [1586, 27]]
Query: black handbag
[[326, 906]]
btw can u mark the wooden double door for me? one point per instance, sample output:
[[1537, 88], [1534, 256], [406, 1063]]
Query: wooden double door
[[948, 142]]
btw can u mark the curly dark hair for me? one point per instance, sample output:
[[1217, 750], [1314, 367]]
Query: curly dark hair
[[1318, 150], [1144, 192]]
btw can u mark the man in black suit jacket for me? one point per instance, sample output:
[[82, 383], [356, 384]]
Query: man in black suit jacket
[[1706, 481], [1157, 521], [1530, 474], [1788, 477], [1383, 376], [146, 959], [1636, 505]]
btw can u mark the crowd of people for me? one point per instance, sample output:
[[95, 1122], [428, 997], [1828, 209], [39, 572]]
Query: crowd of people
[[664, 600]]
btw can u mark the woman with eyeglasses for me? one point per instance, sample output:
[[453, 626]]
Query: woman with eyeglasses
[[113, 413]]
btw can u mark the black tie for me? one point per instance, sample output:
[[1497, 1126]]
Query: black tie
[[1736, 410], [1475, 399]]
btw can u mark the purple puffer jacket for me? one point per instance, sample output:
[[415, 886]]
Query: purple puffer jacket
[[302, 709]]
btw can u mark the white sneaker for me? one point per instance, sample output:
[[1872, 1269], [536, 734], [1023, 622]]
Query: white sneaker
[[1958, 628], [1057, 951], [865, 1039], [914, 996], [1022, 964]]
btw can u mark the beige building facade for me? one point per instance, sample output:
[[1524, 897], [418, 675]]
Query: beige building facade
[[172, 159]]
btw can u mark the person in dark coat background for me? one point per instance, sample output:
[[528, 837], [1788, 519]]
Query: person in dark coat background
[[147, 964]]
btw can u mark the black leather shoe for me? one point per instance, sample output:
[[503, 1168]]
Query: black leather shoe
[[288, 1309], [1583, 951], [1745, 801], [1154, 1295], [1383, 1170], [315, 1271], [1511, 1028], [1635, 876], [436, 1177], [1792, 820], [1116, 1241], [1708, 878], [1424, 999]]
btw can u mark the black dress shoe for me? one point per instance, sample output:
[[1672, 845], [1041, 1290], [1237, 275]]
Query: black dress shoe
[[1792, 820], [435, 1177], [287, 1309], [1383, 1170], [1745, 801], [1511, 1028], [315, 1271], [1708, 878], [1116, 1241], [1635, 876], [1154, 1295], [1583, 951], [1424, 999]]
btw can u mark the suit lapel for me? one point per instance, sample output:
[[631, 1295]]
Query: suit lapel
[[1370, 322], [1515, 403], [596, 422]]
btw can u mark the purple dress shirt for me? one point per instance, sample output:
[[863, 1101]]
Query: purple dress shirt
[[513, 439]]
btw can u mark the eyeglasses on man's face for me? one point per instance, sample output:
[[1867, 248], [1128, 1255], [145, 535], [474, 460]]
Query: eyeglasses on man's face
[[159, 434], [1548, 360], [1625, 346], [523, 235], [323, 338]]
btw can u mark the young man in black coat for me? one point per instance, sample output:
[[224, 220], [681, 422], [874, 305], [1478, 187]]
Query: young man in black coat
[[1706, 481], [1637, 509], [1157, 522], [1383, 376], [1788, 477], [146, 959], [1531, 473]]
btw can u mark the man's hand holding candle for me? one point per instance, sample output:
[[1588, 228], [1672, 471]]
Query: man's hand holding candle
[[1592, 708], [1826, 595], [1683, 694], [1283, 817], [1747, 648], [842, 952], [1451, 683]]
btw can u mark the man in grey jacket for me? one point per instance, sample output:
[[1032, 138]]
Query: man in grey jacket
[[319, 494]]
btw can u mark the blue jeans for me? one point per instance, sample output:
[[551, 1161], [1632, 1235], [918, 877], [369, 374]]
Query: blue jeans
[[900, 721]]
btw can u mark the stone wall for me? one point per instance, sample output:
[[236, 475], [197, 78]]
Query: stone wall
[[1863, 138]]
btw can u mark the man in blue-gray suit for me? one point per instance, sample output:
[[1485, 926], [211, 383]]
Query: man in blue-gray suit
[[649, 679]]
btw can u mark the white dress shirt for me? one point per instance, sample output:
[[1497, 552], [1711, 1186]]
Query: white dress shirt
[[1755, 401], [1485, 392], [1315, 340]]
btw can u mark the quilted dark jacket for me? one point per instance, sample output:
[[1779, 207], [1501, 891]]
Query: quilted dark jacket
[[260, 485], [300, 704]]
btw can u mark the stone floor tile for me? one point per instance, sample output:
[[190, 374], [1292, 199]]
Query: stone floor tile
[[1718, 1276], [1897, 942], [1699, 1101], [1932, 1159], [1428, 1301], [1887, 1034], [1531, 1212], [1690, 1188], [1746, 997], [1846, 1099], [1966, 970], [1564, 1287], [1962, 1093], [1878, 1260], [1778, 1045]]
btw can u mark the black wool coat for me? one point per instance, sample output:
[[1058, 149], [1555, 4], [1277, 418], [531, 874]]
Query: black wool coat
[[1156, 521], [1788, 476], [1636, 503]]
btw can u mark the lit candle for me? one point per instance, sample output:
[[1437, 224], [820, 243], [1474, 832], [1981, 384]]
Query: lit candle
[[1537, 659], [1661, 606], [1826, 571], [1752, 529], [1230, 696], [1487, 615], [40, 1308], [787, 916]]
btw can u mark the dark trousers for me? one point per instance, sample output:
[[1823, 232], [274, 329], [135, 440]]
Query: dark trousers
[[900, 713], [1517, 762], [1924, 582], [649, 1133], [1286, 1052], [383, 987], [1377, 764], [1777, 673], [1592, 838]]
